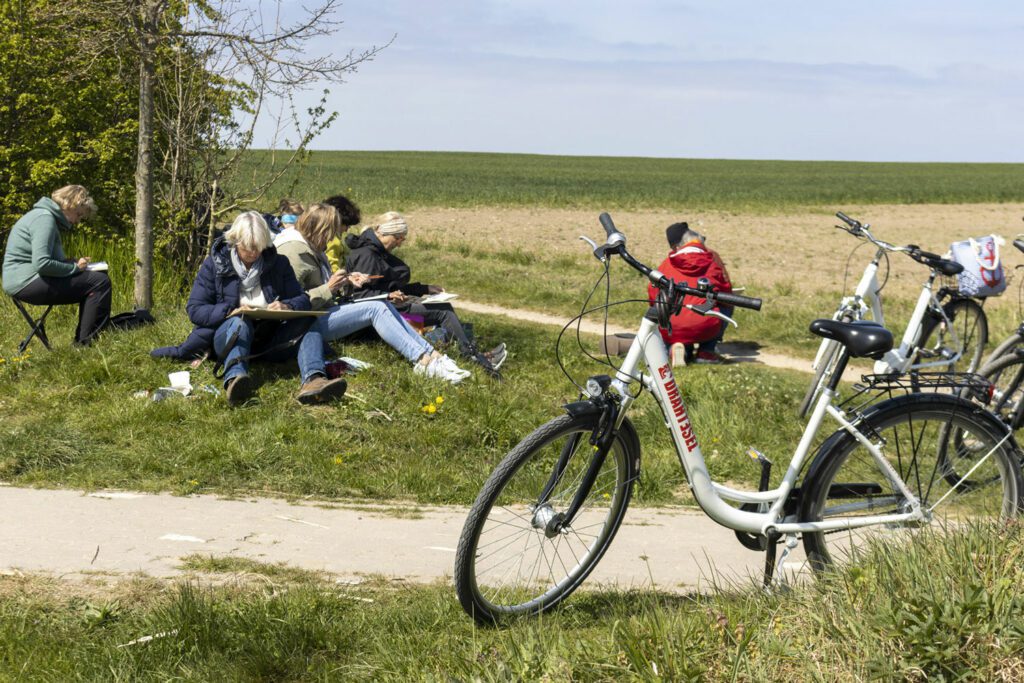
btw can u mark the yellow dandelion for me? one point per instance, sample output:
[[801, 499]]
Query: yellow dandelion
[[193, 482], [431, 409], [338, 460], [607, 496], [439, 400]]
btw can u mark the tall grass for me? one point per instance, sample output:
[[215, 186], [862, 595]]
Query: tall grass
[[941, 607], [379, 181]]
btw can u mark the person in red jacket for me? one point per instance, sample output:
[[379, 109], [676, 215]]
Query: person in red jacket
[[688, 261]]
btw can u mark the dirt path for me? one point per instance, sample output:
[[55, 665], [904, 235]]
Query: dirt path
[[72, 533], [737, 352]]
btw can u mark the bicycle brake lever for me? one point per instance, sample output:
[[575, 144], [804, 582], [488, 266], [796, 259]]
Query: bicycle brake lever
[[593, 245], [722, 316]]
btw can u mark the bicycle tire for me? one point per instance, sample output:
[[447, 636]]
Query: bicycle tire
[[828, 354], [915, 433], [1007, 377], [491, 589], [971, 326], [825, 366], [1014, 341]]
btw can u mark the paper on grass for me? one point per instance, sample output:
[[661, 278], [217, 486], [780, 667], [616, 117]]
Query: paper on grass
[[439, 298]]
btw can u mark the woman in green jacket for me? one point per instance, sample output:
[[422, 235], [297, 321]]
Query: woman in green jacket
[[36, 271], [303, 246]]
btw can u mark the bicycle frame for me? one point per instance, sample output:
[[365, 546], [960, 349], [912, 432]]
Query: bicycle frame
[[649, 348], [866, 298]]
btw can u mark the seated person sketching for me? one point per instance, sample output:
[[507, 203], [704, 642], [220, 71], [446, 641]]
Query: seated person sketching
[[372, 253], [36, 271], [687, 262], [303, 246], [244, 270]]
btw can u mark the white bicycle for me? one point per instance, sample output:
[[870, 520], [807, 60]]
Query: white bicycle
[[551, 508], [946, 332]]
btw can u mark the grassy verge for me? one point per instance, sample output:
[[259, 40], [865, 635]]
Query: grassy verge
[[71, 419], [380, 181], [938, 609]]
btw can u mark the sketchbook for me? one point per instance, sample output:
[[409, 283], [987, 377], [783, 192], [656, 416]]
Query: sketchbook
[[267, 314], [99, 266]]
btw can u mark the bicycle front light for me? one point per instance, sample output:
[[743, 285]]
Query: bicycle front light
[[597, 385]]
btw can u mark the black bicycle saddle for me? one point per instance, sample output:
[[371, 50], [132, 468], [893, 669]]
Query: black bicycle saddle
[[861, 338]]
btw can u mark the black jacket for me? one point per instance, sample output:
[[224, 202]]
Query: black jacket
[[367, 255]]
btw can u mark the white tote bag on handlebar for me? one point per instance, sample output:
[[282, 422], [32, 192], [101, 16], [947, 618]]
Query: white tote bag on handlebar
[[983, 270]]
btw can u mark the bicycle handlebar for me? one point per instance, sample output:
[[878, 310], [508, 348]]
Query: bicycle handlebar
[[738, 300], [616, 244], [607, 224]]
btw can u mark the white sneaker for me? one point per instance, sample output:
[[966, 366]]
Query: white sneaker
[[450, 364], [437, 368]]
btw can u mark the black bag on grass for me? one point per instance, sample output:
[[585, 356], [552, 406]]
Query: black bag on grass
[[130, 321]]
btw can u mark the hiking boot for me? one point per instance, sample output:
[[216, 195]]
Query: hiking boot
[[496, 356], [441, 367], [709, 358], [483, 361], [238, 390], [319, 389]]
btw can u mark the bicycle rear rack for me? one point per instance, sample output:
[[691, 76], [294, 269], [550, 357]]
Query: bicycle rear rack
[[966, 384]]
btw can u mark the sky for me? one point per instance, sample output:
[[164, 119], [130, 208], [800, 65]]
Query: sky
[[873, 81]]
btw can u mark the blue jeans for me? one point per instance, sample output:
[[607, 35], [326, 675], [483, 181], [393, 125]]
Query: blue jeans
[[246, 338], [346, 319]]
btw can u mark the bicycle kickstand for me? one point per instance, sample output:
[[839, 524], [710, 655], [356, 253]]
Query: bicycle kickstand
[[773, 573]]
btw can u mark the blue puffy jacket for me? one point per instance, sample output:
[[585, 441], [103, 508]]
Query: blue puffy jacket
[[216, 292]]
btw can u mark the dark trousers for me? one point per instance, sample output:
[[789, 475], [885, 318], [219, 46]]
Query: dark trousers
[[89, 289], [443, 316]]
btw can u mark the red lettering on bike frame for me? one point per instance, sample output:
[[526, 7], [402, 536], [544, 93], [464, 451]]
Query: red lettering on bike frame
[[678, 409]]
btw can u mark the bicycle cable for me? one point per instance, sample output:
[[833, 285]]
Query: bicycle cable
[[578, 321]]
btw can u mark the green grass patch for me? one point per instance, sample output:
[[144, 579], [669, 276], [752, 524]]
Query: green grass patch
[[380, 181], [939, 608], [71, 418]]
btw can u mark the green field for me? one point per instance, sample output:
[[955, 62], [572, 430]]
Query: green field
[[939, 609], [380, 181]]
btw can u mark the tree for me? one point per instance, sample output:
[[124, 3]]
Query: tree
[[200, 65], [64, 117]]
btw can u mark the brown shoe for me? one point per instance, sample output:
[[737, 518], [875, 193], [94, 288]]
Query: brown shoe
[[319, 389], [238, 390]]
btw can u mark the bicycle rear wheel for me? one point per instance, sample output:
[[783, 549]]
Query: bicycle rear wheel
[[514, 557], [918, 436], [965, 336]]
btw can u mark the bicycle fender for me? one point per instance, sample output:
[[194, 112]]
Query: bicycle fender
[[627, 432], [581, 408]]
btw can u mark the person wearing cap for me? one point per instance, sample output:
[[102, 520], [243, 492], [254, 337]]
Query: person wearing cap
[[372, 253], [36, 271], [688, 261]]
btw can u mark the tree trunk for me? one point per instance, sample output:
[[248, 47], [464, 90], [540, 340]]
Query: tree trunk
[[150, 12]]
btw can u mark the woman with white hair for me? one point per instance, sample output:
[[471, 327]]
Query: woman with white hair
[[244, 269], [36, 271]]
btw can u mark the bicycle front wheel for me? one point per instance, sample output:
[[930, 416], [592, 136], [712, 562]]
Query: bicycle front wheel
[[964, 337], [516, 555], [921, 437]]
